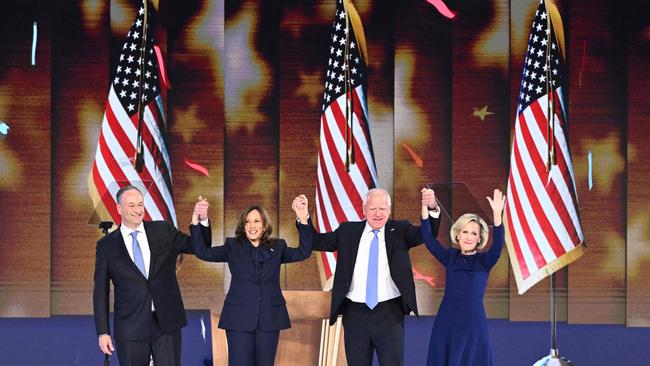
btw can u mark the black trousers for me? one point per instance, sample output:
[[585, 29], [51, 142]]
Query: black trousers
[[252, 348], [380, 329], [165, 348]]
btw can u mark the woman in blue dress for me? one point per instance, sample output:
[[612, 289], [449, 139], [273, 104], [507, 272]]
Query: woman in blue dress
[[460, 336]]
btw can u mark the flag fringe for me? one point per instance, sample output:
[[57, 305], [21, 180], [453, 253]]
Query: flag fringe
[[524, 285], [556, 21]]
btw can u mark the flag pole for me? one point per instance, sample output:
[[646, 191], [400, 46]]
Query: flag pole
[[554, 358], [349, 108]]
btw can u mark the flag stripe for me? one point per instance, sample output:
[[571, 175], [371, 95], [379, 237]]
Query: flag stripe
[[534, 190], [102, 190], [333, 198], [521, 259], [559, 201], [340, 188], [544, 229], [122, 148], [113, 166], [527, 222]]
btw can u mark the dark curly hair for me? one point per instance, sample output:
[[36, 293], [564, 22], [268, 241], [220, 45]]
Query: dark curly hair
[[266, 223]]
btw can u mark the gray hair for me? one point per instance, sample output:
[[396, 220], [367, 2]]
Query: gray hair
[[118, 195], [371, 191], [466, 219]]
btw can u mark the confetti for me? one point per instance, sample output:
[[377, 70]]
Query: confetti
[[202, 329], [161, 67], [418, 160], [198, 167], [34, 38], [419, 276], [4, 128], [442, 8], [589, 163]]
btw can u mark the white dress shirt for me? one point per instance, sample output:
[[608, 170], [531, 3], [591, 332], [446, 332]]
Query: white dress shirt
[[142, 240], [386, 288], [144, 246]]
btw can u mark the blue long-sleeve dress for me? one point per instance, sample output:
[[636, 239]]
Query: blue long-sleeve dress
[[460, 336]]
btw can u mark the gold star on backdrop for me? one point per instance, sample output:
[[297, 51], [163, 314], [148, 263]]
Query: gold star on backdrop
[[311, 87]]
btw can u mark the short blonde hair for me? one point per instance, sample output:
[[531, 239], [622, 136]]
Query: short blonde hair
[[466, 219]]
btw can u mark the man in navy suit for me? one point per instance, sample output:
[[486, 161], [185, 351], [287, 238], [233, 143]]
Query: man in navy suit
[[373, 285], [140, 259]]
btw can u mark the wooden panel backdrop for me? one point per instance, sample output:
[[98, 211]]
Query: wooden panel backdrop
[[423, 73], [247, 82], [597, 124], [479, 147], [638, 175], [25, 161]]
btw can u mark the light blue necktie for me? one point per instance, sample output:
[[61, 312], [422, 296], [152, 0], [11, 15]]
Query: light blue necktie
[[373, 264], [137, 254]]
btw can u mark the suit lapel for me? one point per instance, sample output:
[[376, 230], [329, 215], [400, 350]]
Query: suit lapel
[[154, 249], [357, 232], [244, 254], [389, 232]]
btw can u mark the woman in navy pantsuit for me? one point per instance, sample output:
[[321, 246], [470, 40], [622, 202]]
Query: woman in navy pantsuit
[[254, 310]]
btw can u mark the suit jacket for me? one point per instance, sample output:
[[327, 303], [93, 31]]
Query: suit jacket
[[400, 237], [255, 296], [134, 292]]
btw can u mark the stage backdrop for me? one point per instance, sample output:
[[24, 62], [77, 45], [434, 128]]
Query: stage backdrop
[[247, 80]]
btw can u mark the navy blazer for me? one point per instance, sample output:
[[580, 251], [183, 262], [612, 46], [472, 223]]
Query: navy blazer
[[400, 237], [134, 292], [254, 299]]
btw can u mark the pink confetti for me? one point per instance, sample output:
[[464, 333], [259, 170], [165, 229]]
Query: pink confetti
[[442, 8], [418, 160], [419, 276], [198, 167], [161, 67]]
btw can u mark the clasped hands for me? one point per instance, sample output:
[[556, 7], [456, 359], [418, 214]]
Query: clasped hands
[[300, 207], [200, 212]]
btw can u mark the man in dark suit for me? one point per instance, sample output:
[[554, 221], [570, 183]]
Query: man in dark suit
[[373, 285], [140, 259]]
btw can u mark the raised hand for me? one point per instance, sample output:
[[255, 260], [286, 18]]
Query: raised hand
[[300, 207], [497, 203], [200, 210], [429, 198]]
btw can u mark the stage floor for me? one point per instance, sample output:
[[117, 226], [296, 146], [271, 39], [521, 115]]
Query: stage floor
[[70, 340]]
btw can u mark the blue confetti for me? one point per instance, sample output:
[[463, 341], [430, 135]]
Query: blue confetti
[[4, 128], [591, 178], [34, 37]]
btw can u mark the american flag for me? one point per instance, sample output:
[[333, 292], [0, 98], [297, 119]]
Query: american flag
[[346, 165], [136, 78], [543, 231]]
